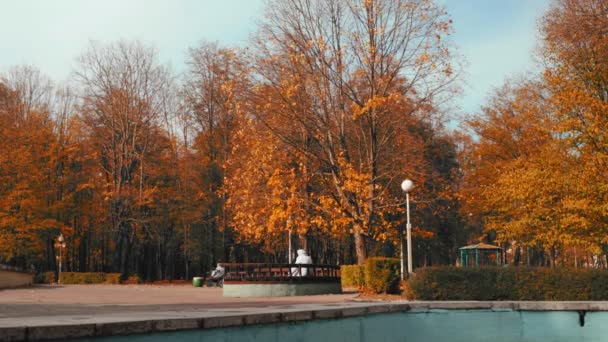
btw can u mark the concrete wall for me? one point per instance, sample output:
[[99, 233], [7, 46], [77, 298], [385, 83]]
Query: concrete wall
[[278, 290], [433, 325], [10, 279]]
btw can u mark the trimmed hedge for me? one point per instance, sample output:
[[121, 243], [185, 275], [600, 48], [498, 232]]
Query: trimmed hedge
[[382, 275], [112, 278], [508, 283], [132, 279], [45, 278], [352, 275], [89, 278]]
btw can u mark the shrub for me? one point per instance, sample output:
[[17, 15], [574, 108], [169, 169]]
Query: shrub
[[45, 278], [133, 279], [382, 275], [452, 283], [49, 277], [352, 275], [82, 278], [508, 283], [112, 278]]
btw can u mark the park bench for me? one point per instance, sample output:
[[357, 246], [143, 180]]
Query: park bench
[[268, 279]]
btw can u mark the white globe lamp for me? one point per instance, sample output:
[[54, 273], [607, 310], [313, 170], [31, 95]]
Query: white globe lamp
[[407, 185]]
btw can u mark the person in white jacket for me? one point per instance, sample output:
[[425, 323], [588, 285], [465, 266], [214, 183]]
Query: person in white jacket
[[217, 277], [302, 258]]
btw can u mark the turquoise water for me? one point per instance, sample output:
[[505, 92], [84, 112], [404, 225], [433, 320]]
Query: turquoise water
[[434, 325]]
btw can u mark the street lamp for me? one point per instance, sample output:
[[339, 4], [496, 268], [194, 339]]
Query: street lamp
[[407, 186], [289, 223], [61, 245]]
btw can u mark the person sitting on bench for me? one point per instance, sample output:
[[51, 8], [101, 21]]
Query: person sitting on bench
[[302, 258], [217, 276]]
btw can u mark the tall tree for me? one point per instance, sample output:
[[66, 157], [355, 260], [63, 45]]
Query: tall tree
[[29, 206], [214, 94], [124, 93], [342, 81], [575, 50]]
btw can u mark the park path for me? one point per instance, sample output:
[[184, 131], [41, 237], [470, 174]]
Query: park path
[[60, 300]]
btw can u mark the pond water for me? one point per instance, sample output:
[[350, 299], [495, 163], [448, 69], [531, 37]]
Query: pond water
[[412, 326]]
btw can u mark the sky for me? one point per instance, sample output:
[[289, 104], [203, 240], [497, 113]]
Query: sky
[[495, 38], [498, 40]]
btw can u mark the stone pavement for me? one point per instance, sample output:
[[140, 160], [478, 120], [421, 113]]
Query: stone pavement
[[53, 300]]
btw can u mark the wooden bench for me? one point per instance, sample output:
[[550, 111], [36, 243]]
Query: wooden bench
[[266, 279]]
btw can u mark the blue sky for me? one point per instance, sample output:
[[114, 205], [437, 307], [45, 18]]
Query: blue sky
[[495, 37]]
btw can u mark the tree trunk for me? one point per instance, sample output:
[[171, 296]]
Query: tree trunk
[[360, 245], [124, 271], [303, 241], [124, 252]]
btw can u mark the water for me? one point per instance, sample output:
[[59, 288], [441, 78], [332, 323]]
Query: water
[[413, 326]]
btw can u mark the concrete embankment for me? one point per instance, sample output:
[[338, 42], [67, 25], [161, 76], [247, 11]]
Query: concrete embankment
[[13, 277]]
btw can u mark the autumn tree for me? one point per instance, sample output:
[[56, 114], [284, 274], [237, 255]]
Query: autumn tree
[[266, 191], [30, 208], [214, 92], [523, 179], [124, 93], [575, 50], [341, 83]]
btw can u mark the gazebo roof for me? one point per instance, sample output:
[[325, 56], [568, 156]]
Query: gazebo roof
[[482, 246]]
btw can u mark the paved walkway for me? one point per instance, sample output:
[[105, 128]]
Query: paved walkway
[[96, 300]]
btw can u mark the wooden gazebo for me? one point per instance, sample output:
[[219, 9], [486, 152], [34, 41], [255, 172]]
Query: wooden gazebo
[[481, 254]]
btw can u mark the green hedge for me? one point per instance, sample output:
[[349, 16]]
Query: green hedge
[[382, 275], [132, 279], [352, 275], [112, 278], [89, 278], [508, 283], [45, 278]]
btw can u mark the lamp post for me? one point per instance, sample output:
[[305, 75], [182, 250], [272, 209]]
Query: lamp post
[[289, 222], [407, 185], [61, 245]]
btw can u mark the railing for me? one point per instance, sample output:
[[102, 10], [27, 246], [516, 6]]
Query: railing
[[14, 269], [261, 272]]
